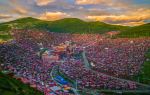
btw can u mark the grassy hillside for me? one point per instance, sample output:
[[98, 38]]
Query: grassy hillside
[[23, 23], [145, 74], [28, 23], [67, 25], [137, 31], [100, 27], [74, 25], [4, 32], [11, 86], [71, 25]]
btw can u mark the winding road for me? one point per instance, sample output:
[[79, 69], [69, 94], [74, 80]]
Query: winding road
[[87, 65]]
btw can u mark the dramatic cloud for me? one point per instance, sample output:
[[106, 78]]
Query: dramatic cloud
[[43, 2], [87, 2], [53, 16], [116, 3], [132, 23], [124, 12], [132, 18]]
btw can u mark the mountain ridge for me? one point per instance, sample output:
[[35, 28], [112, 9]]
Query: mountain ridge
[[69, 25], [137, 31]]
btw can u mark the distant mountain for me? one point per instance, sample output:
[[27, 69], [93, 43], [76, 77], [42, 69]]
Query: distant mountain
[[137, 31], [66, 25]]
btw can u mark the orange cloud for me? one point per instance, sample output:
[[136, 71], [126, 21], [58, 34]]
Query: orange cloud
[[118, 18], [132, 18], [85, 2], [133, 23], [5, 16], [20, 10], [16, 8], [43, 2], [110, 3], [53, 16]]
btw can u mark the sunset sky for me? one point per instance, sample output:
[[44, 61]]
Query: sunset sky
[[123, 12]]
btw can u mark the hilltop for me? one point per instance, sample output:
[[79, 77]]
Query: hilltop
[[71, 25], [23, 23], [74, 25], [66, 25]]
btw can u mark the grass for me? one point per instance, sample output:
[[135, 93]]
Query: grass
[[135, 32], [5, 37], [73, 25], [144, 75], [67, 25], [11, 86]]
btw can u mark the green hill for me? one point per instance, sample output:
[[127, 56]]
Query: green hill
[[137, 31], [28, 23], [67, 25], [101, 27], [74, 25], [23, 23], [4, 32], [70, 25], [11, 86]]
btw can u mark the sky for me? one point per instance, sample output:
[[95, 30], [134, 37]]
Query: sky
[[120, 12]]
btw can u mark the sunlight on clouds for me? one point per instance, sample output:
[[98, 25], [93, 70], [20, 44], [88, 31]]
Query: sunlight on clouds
[[133, 23], [43, 2], [5, 16], [20, 10], [17, 8], [119, 18], [124, 12], [53, 16], [85, 2], [134, 18], [109, 4]]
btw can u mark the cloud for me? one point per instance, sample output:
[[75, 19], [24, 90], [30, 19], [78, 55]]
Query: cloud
[[43, 2], [108, 4], [53, 16], [16, 7], [5, 16], [118, 18], [87, 2], [115, 3], [131, 18], [20, 10], [126, 12], [133, 23]]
